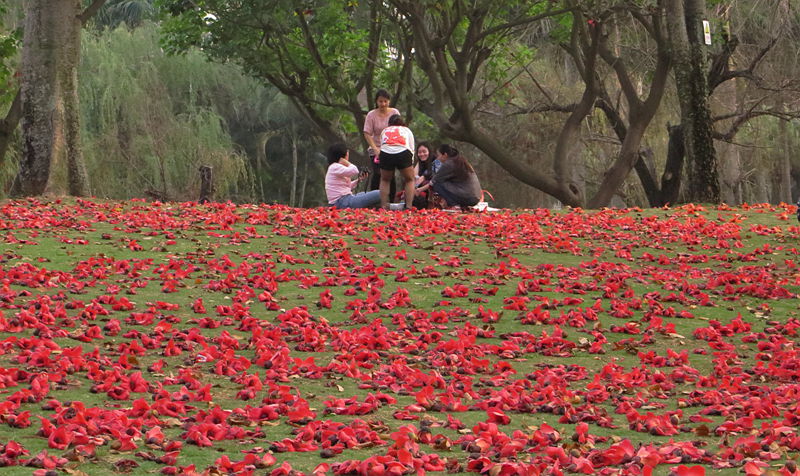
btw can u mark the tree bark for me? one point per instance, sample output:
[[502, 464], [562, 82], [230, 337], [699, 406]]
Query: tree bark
[[254, 145], [646, 174], [206, 184], [762, 187], [9, 125], [77, 175], [293, 193], [725, 101], [785, 163], [673, 170], [684, 24], [641, 113], [303, 184], [50, 108]]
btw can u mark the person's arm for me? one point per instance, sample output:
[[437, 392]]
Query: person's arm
[[369, 129], [374, 147], [445, 173], [350, 171], [344, 169]]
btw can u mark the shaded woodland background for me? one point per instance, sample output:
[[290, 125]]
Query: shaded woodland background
[[159, 97]]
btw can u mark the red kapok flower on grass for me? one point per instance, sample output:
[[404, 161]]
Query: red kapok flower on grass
[[45, 461], [60, 438], [496, 415], [688, 471], [285, 469], [198, 307]]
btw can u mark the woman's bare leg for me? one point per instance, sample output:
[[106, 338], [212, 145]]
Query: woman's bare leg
[[408, 177], [386, 177]]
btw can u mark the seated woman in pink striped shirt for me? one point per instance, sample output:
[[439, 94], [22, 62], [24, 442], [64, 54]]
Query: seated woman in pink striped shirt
[[339, 183]]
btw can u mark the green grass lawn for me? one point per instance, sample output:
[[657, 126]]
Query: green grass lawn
[[611, 341]]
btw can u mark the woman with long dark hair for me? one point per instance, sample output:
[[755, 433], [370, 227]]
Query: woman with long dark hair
[[422, 163], [456, 181], [423, 172]]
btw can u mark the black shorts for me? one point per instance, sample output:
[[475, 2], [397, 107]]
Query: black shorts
[[398, 161]]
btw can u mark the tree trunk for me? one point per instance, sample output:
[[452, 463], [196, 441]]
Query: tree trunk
[[785, 163], [725, 100], [761, 191], [9, 125], [50, 111], [293, 192], [786, 157], [303, 184], [254, 145], [673, 169], [684, 23], [628, 156], [516, 167], [730, 173], [77, 175], [206, 184], [646, 174]]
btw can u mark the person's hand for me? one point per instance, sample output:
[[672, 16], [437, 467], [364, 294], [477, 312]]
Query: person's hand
[[376, 150]]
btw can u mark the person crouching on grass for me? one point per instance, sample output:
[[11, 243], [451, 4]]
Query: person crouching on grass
[[397, 150], [339, 183], [456, 181]]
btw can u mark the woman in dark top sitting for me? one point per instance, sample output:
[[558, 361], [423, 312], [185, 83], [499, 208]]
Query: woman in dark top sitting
[[456, 181]]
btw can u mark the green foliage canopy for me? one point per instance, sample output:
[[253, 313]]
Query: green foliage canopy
[[320, 54], [10, 41]]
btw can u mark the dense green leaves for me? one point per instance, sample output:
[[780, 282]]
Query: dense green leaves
[[322, 54], [10, 42]]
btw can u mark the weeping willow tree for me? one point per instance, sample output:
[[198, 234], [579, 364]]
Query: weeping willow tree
[[145, 131]]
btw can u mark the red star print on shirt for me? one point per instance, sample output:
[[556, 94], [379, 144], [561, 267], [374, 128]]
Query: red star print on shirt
[[394, 137]]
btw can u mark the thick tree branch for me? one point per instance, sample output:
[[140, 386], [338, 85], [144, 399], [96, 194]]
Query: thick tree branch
[[745, 117], [625, 82], [523, 21], [90, 11], [9, 124], [311, 44], [572, 125], [524, 111], [372, 52], [720, 73]]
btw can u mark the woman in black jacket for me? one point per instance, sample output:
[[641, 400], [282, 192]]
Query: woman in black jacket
[[456, 181]]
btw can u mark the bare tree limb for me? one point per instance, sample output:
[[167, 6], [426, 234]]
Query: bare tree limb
[[748, 72], [9, 124], [523, 111], [522, 21], [747, 116], [90, 11]]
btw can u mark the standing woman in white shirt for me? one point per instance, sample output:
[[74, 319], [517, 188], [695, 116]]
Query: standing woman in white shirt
[[397, 150]]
